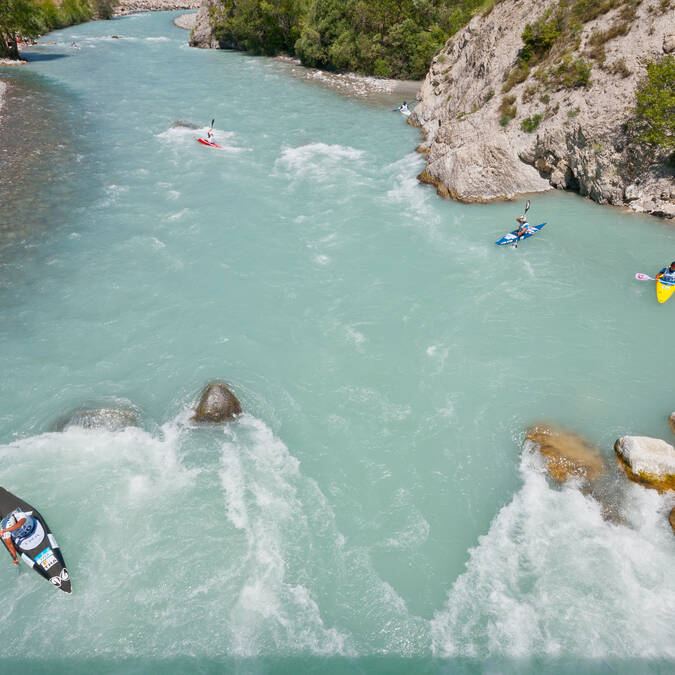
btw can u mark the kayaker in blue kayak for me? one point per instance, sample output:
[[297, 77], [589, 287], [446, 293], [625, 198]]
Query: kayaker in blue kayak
[[667, 271], [522, 230], [524, 225]]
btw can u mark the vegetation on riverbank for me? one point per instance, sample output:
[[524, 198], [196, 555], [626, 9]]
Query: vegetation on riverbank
[[654, 121], [26, 19], [388, 38]]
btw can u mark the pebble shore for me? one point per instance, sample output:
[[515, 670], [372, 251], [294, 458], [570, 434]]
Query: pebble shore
[[133, 6]]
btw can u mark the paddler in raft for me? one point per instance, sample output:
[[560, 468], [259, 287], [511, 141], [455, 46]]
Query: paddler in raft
[[14, 529], [667, 271]]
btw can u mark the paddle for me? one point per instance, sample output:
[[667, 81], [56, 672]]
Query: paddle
[[527, 208], [644, 277]]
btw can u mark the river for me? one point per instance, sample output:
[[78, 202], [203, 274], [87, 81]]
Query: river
[[373, 510]]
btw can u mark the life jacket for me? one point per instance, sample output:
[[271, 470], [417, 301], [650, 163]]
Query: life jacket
[[25, 530]]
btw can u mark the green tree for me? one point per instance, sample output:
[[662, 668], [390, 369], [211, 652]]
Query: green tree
[[654, 121], [18, 18]]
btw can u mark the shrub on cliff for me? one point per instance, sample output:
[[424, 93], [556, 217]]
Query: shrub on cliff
[[654, 122]]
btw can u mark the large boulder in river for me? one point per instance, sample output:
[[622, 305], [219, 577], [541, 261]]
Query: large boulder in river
[[649, 461], [672, 421], [217, 404], [111, 418], [568, 454], [672, 519]]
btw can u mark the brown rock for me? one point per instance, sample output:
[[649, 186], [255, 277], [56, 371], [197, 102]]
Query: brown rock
[[672, 519], [217, 404], [568, 454], [672, 421]]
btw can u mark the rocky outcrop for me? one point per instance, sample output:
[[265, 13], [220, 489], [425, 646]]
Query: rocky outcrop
[[111, 418], [217, 404], [568, 455], [671, 419], [672, 519], [649, 461], [575, 137], [202, 34]]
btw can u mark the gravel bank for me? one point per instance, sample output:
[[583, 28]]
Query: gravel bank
[[134, 6], [353, 85], [187, 21]]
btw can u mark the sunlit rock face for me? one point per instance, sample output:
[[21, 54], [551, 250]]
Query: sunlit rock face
[[649, 461], [569, 455]]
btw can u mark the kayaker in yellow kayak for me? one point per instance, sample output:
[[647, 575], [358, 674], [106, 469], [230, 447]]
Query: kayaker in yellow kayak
[[668, 271]]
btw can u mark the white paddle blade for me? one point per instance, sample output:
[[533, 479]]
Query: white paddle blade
[[644, 277]]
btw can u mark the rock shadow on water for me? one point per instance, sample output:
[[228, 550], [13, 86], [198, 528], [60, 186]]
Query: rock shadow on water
[[182, 124]]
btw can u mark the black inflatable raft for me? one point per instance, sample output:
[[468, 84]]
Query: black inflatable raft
[[39, 550]]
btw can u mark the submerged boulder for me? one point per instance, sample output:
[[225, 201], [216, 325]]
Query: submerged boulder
[[568, 454], [649, 461], [111, 418], [217, 404]]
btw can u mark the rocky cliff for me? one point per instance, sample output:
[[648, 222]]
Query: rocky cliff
[[496, 125], [202, 34]]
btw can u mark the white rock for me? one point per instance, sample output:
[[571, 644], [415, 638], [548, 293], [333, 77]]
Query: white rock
[[580, 142], [645, 455]]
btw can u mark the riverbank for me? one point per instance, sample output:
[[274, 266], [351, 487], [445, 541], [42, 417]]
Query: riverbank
[[353, 85], [135, 6]]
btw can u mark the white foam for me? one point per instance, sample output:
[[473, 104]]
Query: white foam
[[551, 577], [318, 161], [260, 480], [180, 135]]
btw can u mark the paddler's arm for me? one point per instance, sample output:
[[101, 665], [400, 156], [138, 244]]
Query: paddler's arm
[[16, 526], [9, 545]]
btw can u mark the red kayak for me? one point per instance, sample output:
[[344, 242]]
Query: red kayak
[[211, 145]]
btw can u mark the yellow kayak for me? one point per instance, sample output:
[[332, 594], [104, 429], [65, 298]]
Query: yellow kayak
[[664, 291]]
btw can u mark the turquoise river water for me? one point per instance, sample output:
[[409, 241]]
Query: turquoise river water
[[374, 510]]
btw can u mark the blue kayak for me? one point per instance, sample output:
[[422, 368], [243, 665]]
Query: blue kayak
[[510, 238]]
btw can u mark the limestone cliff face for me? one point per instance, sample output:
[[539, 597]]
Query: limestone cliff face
[[579, 143], [202, 34]]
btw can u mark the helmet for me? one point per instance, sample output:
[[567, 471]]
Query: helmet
[[672, 264], [521, 219]]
